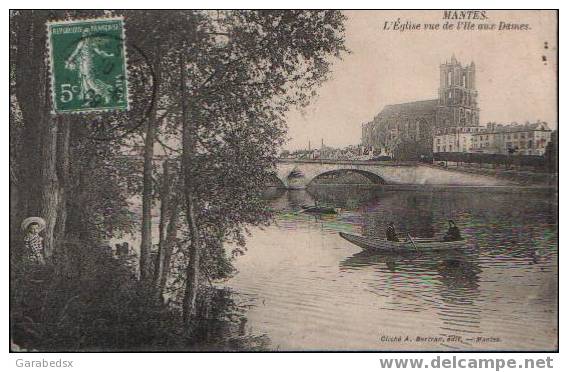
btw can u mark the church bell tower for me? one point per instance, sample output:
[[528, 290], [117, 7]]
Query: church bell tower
[[457, 95]]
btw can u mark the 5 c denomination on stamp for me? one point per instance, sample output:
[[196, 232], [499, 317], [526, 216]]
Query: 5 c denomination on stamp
[[88, 65]]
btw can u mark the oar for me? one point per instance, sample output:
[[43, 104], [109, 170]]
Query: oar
[[304, 209], [412, 241]]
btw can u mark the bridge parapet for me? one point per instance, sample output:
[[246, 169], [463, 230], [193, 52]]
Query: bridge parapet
[[299, 173], [349, 162]]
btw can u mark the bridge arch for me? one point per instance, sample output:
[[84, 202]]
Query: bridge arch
[[372, 177], [276, 181]]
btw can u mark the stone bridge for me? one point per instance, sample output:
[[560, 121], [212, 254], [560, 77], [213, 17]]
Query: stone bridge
[[297, 174]]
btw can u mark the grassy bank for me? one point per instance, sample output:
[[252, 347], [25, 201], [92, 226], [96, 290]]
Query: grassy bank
[[92, 301]]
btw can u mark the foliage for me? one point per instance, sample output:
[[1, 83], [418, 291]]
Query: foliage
[[92, 301], [240, 90], [102, 180], [243, 71], [551, 153], [524, 160]]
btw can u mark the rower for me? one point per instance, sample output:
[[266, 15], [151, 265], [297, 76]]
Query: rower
[[453, 232], [391, 232]]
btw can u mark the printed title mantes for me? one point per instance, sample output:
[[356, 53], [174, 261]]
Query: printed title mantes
[[456, 20], [60, 363]]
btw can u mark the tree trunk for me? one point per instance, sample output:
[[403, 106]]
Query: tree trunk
[[146, 243], [31, 96], [15, 217], [170, 241], [50, 189], [146, 239], [188, 144], [164, 210], [62, 176], [192, 271], [164, 202]]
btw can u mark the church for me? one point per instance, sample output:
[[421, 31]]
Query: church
[[405, 131]]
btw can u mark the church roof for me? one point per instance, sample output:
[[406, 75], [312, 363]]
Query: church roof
[[416, 107]]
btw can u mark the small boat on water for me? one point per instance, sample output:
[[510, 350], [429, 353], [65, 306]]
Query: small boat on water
[[417, 244], [319, 209]]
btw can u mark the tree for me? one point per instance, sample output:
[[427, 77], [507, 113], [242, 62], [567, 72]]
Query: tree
[[239, 75], [213, 87], [30, 100], [40, 155], [550, 157], [48, 150], [154, 32]]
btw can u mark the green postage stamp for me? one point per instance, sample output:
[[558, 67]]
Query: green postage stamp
[[88, 65]]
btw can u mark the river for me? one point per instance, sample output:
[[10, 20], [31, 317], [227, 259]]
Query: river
[[308, 289]]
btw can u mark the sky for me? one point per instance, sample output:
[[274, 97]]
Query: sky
[[388, 67]]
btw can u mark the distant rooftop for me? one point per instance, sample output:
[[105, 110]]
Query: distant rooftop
[[515, 127]]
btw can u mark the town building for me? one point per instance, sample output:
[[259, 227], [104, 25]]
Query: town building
[[455, 139], [519, 139], [406, 130]]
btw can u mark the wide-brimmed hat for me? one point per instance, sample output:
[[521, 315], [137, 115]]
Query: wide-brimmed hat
[[28, 221]]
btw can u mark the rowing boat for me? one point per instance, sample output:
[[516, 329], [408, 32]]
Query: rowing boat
[[319, 209], [417, 244]]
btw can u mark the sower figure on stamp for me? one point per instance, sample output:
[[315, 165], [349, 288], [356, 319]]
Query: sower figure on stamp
[[33, 242], [82, 60]]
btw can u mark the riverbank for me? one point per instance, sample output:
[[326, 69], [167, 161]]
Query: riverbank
[[524, 178], [518, 189], [91, 300]]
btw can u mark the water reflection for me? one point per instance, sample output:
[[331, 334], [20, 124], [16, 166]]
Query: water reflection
[[222, 324], [314, 290], [447, 281]]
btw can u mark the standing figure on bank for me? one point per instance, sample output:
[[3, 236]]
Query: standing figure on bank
[[33, 242]]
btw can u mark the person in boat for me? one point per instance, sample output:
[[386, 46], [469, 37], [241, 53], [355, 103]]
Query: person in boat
[[391, 232], [453, 233]]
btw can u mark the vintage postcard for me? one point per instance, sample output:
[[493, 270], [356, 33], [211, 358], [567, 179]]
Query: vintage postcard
[[284, 180]]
